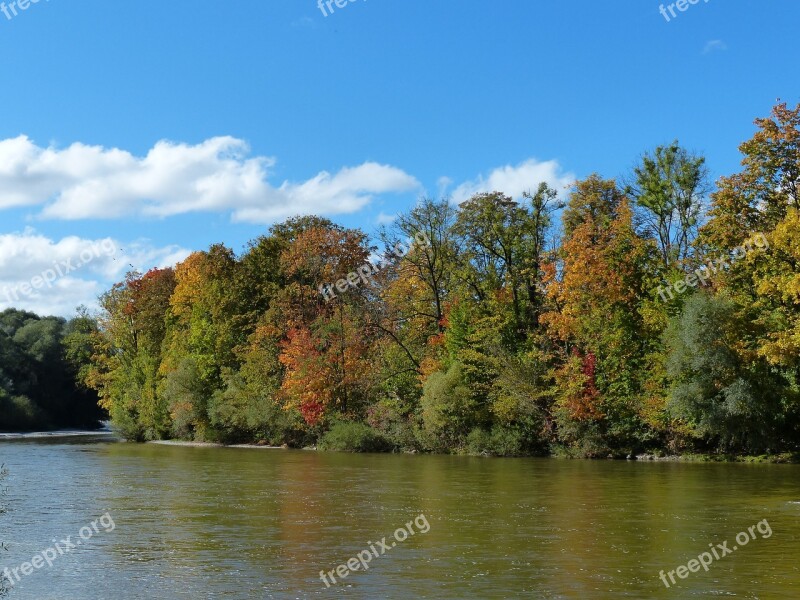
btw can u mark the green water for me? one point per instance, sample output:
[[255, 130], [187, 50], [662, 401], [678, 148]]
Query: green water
[[239, 523]]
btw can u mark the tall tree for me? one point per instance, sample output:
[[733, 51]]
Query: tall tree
[[596, 287], [201, 338], [324, 346], [127, 348], [759, 196], [429, 269], [503, 246], [668, 187]]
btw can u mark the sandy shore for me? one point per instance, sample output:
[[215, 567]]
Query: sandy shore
[[190, 444], [213, 445]]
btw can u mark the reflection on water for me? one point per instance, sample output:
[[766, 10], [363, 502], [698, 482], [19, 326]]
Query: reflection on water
[[241, 523]]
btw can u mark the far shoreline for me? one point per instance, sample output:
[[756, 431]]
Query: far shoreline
[[783, 458], [46, 435], [189, 444]]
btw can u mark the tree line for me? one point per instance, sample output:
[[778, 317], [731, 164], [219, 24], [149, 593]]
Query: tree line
[[523, 327], [41, 359]]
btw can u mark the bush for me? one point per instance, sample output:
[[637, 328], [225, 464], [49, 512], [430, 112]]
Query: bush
[[244, 412], [448, 410], [19, 413], [500, 441], [353, 437], [578, 439], [385, 418], [733, 404]]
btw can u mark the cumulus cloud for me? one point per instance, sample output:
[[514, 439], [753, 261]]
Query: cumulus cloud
[[53, 277], [347, 191], [514, 180], [217, 175]]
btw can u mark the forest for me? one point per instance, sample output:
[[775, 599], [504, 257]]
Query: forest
[[40, 370], [532, 327]]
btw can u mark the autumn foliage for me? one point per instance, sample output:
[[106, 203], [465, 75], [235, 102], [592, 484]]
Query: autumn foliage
[[527, 325]]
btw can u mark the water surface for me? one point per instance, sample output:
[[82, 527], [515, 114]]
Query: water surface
[[244, 523]]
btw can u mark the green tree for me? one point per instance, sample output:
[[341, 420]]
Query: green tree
[[730, 401], [127, 347], [668, 187], [448, 410], [38, 376]]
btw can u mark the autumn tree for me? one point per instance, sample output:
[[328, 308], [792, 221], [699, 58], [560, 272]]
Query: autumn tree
[[596, 284], [759, 197], [324, 345], [492, 335], [127, 353], [201, 338], [754, 224]]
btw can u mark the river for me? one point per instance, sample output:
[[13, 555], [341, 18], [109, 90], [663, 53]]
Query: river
[[188, 522]]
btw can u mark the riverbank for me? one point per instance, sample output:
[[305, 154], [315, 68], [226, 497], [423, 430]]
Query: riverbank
[[782, 458], [215, 445], [106, 433], [67, 433]]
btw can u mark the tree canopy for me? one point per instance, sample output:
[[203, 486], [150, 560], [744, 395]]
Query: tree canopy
[[522, 326], [42, 359]]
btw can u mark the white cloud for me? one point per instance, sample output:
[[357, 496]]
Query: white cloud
[[385, 219], [714, 45], [53, 277], [514, 180], [346, 192], [83, 182], [442, 185]]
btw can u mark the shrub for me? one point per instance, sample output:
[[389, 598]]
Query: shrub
[[348, 436], [244, 412], [733, 404], [448, 410], [386, 418], [18, 413], [501, 441]]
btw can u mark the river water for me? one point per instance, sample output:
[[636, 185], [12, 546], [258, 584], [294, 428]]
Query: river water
[[187, 522]]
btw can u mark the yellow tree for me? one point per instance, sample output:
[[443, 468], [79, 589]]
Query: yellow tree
[[596, 285], [201, 339]]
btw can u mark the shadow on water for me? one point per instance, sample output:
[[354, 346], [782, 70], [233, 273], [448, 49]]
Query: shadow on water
[[60, 437]]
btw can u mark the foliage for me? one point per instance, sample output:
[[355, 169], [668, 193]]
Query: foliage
[[41, 360], [714, 390], [668, 188], [597, 283], [500, 441], [510, 332], [353, 437]]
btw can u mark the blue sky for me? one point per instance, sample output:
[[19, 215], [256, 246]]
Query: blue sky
[[167, 126]]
